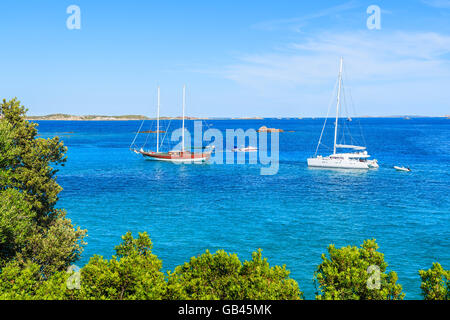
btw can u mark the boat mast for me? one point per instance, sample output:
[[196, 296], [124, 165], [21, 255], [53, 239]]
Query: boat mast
[[157, 123], [337, 106], [184, 103]]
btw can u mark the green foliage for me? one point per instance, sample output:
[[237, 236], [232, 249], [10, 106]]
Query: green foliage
[[26, 282], [33, 230], [55, 288], [55, 247], [19, 282], [222, 276], [435, 283], [8, 151], [16, 223], [344, 275], [134, 273], [29, 168], [6, 144]]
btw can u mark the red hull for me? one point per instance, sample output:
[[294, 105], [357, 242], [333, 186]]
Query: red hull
[[185, 156]]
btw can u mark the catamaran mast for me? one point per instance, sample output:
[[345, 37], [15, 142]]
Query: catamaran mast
[[184, 103], [337, 106], [157, 123]]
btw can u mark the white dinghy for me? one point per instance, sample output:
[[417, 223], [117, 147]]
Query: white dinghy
[[245, 149], [402, 169]]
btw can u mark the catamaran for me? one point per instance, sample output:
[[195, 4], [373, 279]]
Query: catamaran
[[177, 156], [355, 158]]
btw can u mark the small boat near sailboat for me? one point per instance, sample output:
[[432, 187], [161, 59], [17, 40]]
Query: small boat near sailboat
[[245, 149], [356, 157], [402, 169], [175, 156]]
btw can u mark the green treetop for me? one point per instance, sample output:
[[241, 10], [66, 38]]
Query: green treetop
[[133, 273], [222, 276], [435, 283], [32, 229], [352, 273]]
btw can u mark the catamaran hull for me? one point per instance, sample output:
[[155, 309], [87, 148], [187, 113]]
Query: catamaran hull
[[337, 164]]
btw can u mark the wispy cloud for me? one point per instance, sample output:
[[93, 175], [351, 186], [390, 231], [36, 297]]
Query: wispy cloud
[[409, 69], [297, 23], [437, 3], [396, 56]]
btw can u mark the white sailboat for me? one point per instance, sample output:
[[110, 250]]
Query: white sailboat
[[357, 156]]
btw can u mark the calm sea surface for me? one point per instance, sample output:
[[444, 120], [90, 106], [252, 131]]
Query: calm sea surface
[[293, 215]]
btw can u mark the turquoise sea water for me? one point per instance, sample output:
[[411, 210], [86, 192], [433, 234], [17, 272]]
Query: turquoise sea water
[[293, 215]]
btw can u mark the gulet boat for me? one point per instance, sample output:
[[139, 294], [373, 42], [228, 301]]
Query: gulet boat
[[176, 156]]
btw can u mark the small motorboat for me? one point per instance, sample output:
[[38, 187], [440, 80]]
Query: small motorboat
[[245, 149], [402, 169]]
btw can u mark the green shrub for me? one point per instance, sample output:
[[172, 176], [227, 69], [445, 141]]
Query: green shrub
[[222, 276], [435, 283], [345, 275]]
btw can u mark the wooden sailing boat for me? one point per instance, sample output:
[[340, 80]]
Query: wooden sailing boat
[[181, 156]]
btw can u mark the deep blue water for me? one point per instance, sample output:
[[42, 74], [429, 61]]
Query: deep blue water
[[293, 215]]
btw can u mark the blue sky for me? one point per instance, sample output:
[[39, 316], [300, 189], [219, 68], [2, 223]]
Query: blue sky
[[238, 58]]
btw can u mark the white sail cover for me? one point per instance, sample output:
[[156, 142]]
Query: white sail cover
[[348, 146]]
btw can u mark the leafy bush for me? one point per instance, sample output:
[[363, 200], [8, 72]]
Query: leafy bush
[[222, 276], [435, 283], [345, 275], [134, 273], [32, 229]]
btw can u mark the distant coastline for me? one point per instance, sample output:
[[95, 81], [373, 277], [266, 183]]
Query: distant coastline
[[68, 117]]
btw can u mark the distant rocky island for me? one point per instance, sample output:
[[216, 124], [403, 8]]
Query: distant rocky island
[[265, 129]]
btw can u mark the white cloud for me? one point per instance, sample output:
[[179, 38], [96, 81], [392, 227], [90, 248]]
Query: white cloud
[[437, 3], [385, 67], [368, 56], [297, 23]]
